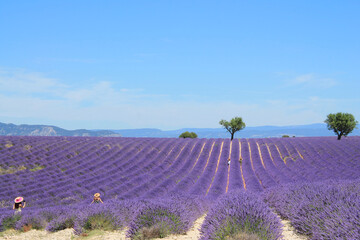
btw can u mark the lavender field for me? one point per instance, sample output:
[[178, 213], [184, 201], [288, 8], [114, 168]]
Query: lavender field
[[166, 184]]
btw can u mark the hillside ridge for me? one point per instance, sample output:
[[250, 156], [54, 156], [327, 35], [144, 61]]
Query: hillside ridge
[[309, 130], [9, 129]]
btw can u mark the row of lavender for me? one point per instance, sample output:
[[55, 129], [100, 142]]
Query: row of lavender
[[173, 215], [321, 210], [129, 168], [237, 212]]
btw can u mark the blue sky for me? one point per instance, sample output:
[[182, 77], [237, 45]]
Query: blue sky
[[176, 64]]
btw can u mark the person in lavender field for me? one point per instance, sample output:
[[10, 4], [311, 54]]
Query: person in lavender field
[[229, 162], [96, 199], [19, 204]]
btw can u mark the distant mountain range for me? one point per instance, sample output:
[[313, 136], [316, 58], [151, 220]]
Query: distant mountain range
[[311, 130], [45, 130]]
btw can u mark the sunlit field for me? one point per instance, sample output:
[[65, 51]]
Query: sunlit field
[[161, 186]]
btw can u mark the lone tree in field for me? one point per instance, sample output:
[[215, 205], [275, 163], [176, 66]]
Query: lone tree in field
[[188, 135], [235, 124], [341, 123]]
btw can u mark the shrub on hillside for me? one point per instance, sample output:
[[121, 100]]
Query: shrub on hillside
[[188, 135]]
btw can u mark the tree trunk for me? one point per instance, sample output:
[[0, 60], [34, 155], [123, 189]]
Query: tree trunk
[[232, 136], [339, 136]]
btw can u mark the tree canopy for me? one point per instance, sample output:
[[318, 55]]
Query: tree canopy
[[236, 124], [341, 123], [188, 135]]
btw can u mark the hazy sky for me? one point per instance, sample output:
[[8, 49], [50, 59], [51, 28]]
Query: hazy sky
[[174, 64]]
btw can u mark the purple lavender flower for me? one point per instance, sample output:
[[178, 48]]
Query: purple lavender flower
[[322, 210], [240, 212]]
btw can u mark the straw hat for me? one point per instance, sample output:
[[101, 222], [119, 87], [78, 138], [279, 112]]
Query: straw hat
[[18, 199], [97, 195]]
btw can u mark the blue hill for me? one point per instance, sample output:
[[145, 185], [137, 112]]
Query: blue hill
[[311, 130]]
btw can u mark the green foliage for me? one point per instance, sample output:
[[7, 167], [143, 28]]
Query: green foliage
[[188, 135], [100, 221], [243, 236], [33, 222], [285, 136], [236, 124], [11, 169], [341, 123], [37, 168], [249, 230], [159, 230], [158, 223], [152, 217], [10, 222]]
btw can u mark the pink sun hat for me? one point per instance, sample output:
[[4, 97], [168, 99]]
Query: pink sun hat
[[18, 199]]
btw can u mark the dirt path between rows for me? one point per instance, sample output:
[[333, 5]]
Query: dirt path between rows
[[289, 232], [67, 234]]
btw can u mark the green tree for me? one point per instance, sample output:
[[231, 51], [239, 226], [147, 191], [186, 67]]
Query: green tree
[[235, 124], [341, 123], [188, 135]]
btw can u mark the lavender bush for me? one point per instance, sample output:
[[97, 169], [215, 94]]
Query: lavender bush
[[240, 212], [99, 216], [322, 210], [161, 217], [31, 221], [62, 222], [8, 220]]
